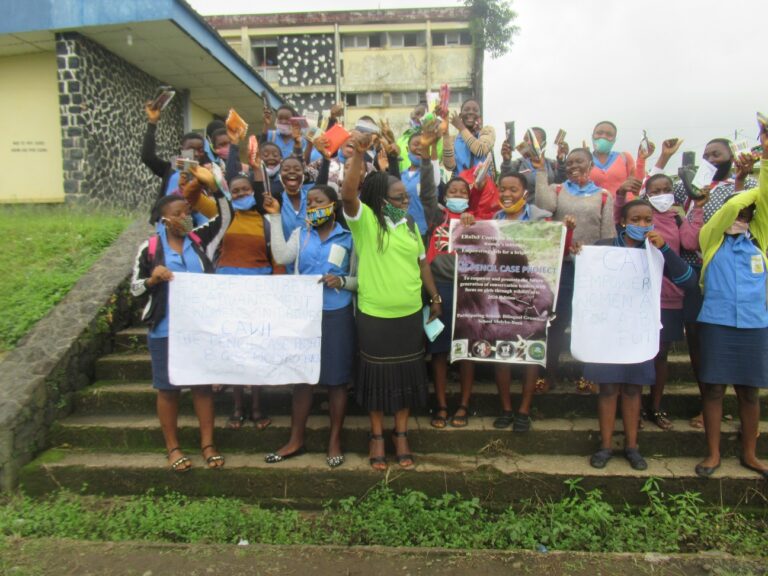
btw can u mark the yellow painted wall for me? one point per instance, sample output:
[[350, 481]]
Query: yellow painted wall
[[30, 137], [198, 117], [370, 69], [452, 65]]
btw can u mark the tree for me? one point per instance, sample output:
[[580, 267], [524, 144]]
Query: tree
[[492, 31]]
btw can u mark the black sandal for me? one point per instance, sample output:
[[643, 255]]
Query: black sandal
[[503, 421], [176, 465], [401, 458], [236, 422], [437, 421], [373, 460], [213, 461], [460, 421], [522, 423]]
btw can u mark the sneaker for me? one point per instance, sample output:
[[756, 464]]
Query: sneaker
[[635, 459]]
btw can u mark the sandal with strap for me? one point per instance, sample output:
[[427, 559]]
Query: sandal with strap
[[504, 421], [236, 422], [438, 421], [635, 459], [213, 461], [460, 421], [376, 460], [261, 421], [661, 419], [179, 465], [402, 459]]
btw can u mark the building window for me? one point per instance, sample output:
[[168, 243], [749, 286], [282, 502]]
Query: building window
[[407, 39], [457, 98], [265, 58], [363, 41], [404, 98], [365, 99], [452, 38]]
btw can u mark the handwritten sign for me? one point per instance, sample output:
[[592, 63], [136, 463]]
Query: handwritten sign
[[244, 329], [617, 304]]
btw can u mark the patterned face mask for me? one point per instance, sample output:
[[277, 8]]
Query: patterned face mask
[[319, 216], [395, 214]]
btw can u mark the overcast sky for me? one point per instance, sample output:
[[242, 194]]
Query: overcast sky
[[682, 68]]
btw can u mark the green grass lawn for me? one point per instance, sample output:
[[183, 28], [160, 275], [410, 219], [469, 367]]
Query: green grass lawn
[[46, 249]]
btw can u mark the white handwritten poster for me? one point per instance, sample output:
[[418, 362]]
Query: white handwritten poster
[[244, 329], [617, 304]]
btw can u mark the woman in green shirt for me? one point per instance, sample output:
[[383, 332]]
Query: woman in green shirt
[[392, 269]]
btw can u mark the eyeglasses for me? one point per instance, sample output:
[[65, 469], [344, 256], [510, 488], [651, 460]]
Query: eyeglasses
[[402, 198]]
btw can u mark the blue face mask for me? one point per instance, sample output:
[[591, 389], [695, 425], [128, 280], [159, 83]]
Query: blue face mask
[[244, 203], [457, 205], [415, 160], [638, 232]]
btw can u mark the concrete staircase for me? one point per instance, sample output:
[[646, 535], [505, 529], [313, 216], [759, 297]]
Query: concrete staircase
[[112, 445]]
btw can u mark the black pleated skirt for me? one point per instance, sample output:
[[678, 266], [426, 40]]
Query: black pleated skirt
[[392, 374]]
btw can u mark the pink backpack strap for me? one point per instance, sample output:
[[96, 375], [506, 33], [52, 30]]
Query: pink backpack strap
[[152, 248], [195, 238], [558, 189]]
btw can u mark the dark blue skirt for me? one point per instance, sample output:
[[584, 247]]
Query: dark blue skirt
[[672, 325], [642, 374], [733, 355], [158, 351], [442, 344], [337, 348]]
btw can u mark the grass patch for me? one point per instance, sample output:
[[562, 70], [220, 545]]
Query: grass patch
[[47, 249], [581, 522]]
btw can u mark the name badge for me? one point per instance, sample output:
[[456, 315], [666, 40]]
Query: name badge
[[757, 264]]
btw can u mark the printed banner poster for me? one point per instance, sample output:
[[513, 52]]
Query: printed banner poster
[[617, 304], [507, 276], [244, 329]]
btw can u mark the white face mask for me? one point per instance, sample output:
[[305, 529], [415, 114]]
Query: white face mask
[[272, 171], [662, 202], [738, 227]]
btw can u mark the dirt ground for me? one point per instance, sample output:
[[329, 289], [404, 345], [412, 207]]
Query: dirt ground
[[20, 557]]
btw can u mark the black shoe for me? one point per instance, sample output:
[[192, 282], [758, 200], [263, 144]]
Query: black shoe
[[705, 471], [600, 458], [635, 459], [503, 421], [274, 457], [522, 423], [762, 471]]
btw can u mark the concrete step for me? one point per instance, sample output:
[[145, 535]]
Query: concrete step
[[681, 400], [307, 482], [132, 366], [575, 437]]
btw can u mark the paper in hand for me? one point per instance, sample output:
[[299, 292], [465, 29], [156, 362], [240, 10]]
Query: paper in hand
[[704, 175], [434, 328]]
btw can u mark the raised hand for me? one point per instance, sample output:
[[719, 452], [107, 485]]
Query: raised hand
[[153, 114], [648, 153], [337, 110], [456, 121], [670, 146], [267, 117], [386, 130], [204, 176], [271, 206], [383, 159], [430, 133], [630, 185], [743, 164], [506, 151], [254, 160], [361, 141], [562, 151]]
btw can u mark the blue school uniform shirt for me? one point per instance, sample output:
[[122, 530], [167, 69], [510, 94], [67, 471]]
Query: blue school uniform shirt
[[290, 217], [735, 286], [187, 261], [314, 255], [463, 156], [286, 148], [412, 182]]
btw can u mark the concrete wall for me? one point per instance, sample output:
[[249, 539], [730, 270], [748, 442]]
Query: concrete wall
[[199, 118], [392, 69], [103, 123], [30, 138]]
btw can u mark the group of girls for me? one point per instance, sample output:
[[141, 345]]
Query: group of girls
[[372, 220]]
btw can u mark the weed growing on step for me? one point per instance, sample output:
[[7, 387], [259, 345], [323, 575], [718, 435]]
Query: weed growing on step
[[582, 521]]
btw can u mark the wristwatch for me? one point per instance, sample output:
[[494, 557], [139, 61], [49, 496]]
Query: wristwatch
[[436, 299]]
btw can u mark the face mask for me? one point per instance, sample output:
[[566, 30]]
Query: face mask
[[662, 202], [738, 227], [222, 152], [515, 208], [723, 171], [272, 171], [457, 205], [319, 216], [638, 232], [602, 145], [180, 227], [283, 129], [415, 160], [395, 214], [244, 202]]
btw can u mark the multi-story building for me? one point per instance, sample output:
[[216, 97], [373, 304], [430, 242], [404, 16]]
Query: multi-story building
[[378, 62]]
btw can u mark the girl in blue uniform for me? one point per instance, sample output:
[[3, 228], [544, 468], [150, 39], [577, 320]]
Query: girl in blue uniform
[[627, 380], [322, 246]]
